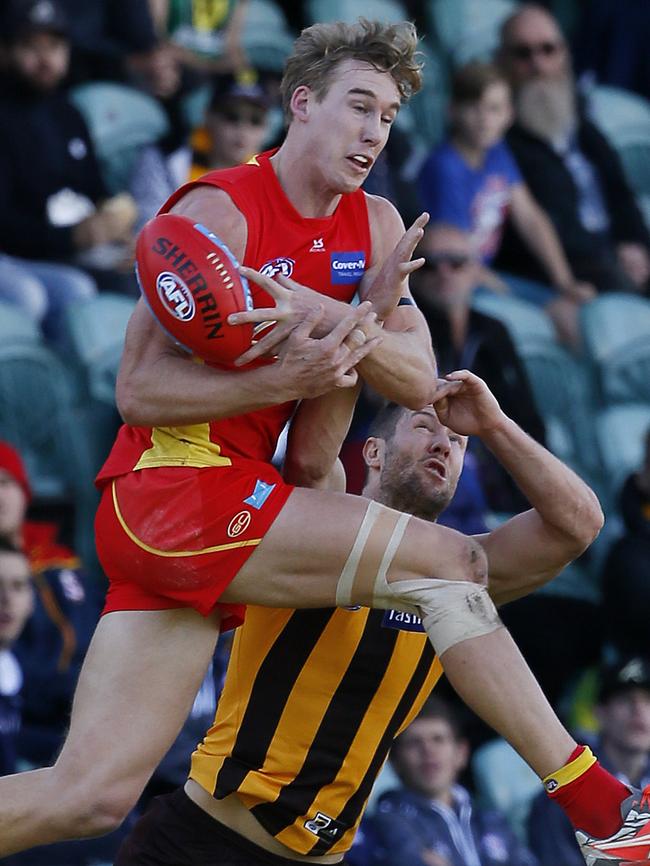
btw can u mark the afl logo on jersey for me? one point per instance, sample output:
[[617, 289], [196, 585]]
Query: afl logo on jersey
[[175, 295], [239, 524], [278, 266]]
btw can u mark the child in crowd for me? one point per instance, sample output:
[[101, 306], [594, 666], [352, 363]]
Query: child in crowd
[[472, 181]]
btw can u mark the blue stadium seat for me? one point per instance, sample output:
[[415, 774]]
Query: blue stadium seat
[[121, 120], [616, 333], [266, 36], [16, 326], [467, 29], [349, 10], [505, 782], [36, 405], [95, 335], [524, 320], [621, 432]]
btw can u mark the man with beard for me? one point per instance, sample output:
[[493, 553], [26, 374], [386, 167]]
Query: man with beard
[[571, 169], [314, 698]]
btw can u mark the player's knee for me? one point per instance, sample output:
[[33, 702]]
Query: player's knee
[[458, 557]]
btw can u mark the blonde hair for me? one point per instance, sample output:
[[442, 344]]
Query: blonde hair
[[320, 48]]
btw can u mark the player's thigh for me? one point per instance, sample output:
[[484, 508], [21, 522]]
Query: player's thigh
[[301, 557], [136, 688]]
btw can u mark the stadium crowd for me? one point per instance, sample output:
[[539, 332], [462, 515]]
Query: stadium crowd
[[528, 146]]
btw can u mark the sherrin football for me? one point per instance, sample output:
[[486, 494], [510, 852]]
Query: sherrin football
[[191, 282]]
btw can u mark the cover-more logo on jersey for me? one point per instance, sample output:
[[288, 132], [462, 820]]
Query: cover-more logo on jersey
[[277, 266], [347, 267], [175, 295]]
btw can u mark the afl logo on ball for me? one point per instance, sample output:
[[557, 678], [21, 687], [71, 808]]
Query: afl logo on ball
[[239, 524], [278, 266], [175, 296]]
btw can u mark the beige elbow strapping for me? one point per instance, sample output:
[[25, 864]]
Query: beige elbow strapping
[[452, 611]]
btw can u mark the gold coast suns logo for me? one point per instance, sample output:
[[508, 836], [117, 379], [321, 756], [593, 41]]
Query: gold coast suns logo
[[239, 524]]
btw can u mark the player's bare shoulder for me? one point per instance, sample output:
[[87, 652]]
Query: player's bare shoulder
[[386, 226], [213, 208]]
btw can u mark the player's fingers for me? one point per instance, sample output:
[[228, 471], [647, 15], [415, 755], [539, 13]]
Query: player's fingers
[[348, 323], [306, 327], [347, 380], [407, 268], [262, 314], [264, 345], [270, 285]]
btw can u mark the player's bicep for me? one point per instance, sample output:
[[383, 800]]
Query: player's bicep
[[213, 208]]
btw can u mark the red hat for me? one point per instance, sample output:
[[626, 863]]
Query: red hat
[[11, 462]]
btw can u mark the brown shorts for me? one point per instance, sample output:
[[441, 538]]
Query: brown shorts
[[174, 831]]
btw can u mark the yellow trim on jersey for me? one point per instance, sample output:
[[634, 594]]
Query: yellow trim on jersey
[[251, 542], [182, 446], [571, 771]]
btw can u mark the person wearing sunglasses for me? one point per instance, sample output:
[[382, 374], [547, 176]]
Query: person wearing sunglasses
[[472, 180], [570, 167], [464, 338]]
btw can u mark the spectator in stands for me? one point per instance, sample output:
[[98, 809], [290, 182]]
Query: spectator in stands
[[465, 338], [472, 181], [569, 166], [626, 588], [16, 603], [236, 127], [205, 37], [431, 820], [623, 748], [236, 123], [54, 641], [54, 206]]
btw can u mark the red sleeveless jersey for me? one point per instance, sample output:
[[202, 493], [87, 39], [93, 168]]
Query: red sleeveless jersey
[[328, 254]]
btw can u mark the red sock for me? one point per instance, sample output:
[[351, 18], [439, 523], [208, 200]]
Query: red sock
[[592, 801]]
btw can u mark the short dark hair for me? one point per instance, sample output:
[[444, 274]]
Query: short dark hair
[[470, 82], [436, 708], [384, 424]]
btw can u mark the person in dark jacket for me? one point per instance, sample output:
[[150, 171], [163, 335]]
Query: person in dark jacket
[[464, 338], [431, 820], [571, 169], [55, 209], [626, 589], [623, 747]]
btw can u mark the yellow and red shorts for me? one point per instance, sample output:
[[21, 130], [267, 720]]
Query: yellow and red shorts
[[175, 536]]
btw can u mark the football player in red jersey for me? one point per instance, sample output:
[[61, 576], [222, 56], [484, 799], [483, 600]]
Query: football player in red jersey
[[195, 521]]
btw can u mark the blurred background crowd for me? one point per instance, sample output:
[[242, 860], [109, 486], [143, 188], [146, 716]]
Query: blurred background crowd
[[529, 145]]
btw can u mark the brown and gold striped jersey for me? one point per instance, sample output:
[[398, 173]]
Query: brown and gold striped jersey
[[311, 704]]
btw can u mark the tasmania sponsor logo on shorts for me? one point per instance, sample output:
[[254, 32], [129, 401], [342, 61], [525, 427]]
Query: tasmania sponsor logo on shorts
[[324, 827], [347, 267], [175, 296], [239, 524]]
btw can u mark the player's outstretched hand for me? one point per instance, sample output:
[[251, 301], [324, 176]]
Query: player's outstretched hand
[[388, 286], [467, 405], [312, 366], [293, 302]]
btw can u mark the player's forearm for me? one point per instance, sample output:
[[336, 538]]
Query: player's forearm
[[176, 392], [402, 368], [561, 499], [316, 435]]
